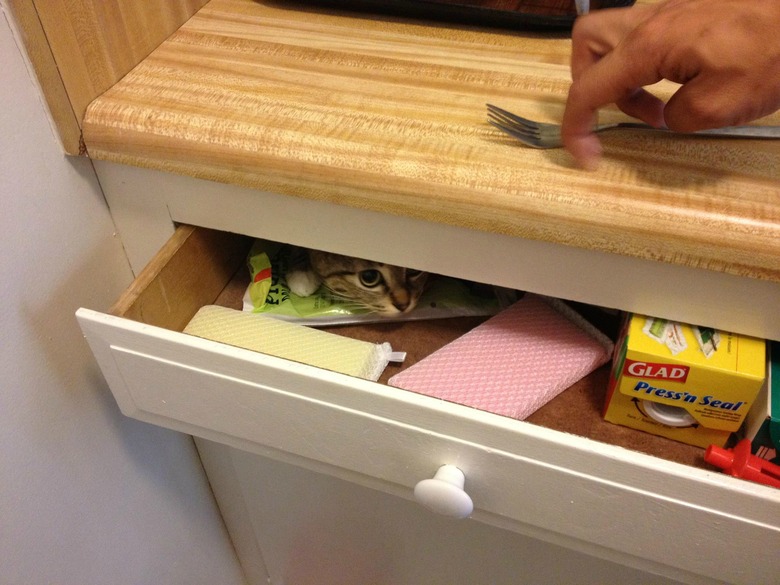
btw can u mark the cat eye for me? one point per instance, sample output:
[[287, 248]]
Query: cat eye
[[370, 278]]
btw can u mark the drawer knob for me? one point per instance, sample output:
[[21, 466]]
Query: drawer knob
[[444, 493]]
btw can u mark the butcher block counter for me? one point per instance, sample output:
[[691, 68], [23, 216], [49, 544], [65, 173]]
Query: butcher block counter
[[389, 115]]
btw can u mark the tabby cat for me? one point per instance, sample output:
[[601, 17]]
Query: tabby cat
[[380, 288]]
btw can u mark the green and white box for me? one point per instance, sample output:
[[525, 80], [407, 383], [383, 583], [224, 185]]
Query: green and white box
[[762, 425]]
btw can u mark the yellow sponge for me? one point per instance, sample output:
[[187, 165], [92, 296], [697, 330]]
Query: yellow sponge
[[293, 342]]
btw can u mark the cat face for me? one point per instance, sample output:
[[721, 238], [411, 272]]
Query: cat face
[[381, 288]]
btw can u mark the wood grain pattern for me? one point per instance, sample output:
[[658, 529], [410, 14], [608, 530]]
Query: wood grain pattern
[[45, 66], [190, 271], [94, 43], [388, 115]]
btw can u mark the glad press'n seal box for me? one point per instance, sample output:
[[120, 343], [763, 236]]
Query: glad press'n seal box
[[691, 384]]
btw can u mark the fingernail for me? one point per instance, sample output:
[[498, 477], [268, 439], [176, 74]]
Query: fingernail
[[589, 153]]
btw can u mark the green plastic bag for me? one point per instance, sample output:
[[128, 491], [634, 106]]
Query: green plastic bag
[[268, 294]]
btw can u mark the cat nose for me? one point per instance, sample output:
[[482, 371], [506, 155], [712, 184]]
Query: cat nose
[[401, 306], [402, 302]]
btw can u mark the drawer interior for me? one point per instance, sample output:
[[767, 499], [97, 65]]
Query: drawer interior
[[199, 266]]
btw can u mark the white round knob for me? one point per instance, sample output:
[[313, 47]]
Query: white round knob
[[444, 493]]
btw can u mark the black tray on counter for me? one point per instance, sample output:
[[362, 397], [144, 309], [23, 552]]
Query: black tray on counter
[[518, 14]]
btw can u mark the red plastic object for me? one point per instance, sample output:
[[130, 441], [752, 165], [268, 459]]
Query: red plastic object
[[740, 462]]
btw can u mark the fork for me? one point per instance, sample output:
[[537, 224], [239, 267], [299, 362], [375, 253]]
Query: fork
[[543, 135], [583, 6]]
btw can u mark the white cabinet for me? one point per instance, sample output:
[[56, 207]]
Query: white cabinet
[[316, 529], [674, 520]]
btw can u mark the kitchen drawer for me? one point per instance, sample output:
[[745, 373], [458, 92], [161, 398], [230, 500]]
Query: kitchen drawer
[[605, 499]]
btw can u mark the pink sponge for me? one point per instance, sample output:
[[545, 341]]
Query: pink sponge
[[515, 362]]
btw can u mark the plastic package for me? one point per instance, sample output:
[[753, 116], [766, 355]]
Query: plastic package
[[268, 294], [294, 342], [515, 362]]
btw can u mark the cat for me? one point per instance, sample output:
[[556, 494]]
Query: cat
[[380, 288]]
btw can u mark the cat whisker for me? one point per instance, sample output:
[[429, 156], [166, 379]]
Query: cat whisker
[[347, 302], [353, 304]]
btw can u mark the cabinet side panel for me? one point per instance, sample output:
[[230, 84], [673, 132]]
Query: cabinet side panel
[[41, 58], [189, 271], [94, 43], [218, 463]]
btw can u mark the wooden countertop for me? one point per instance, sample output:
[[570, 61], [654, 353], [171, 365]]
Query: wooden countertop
[[389, 115]]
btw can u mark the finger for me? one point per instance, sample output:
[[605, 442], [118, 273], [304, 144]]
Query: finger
[[613, 79], [586, 151], [706, 102], [598, 33], [616, 75], [645, 106], [576, 130]]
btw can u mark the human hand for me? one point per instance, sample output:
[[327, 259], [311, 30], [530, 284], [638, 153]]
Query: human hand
[[724, 53]]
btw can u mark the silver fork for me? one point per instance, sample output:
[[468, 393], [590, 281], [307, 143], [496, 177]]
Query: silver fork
[[543, 135]]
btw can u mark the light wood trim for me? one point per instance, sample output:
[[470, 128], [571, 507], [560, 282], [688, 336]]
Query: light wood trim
[[190, 271], [52, 86], [80, 48]]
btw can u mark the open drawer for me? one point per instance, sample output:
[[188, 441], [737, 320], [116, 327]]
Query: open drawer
[[601, 498]]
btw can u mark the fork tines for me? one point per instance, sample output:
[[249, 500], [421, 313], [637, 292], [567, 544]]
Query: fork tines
[[523, 129], [502, 116]]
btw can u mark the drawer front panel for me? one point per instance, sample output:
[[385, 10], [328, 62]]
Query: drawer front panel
[[586, 495]]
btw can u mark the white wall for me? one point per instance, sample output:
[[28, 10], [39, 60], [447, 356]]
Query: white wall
[[86, 495]]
